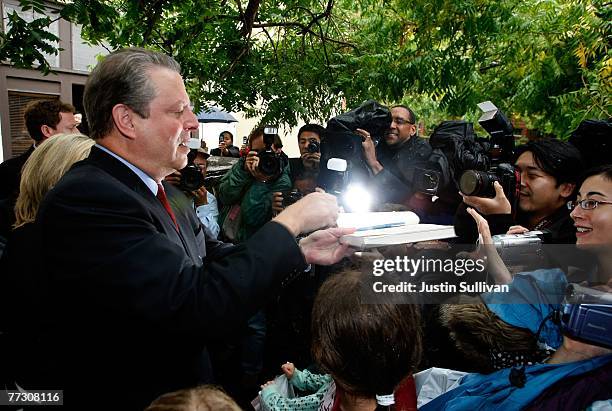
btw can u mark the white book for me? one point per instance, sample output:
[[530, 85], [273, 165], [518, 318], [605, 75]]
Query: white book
[[372, 219], [398, 235]]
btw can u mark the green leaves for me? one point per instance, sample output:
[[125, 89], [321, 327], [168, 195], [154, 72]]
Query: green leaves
[[547, 62]]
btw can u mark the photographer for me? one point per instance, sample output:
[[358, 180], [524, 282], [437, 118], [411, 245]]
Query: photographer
[[305, 169], [548, 171], [203, 201], [226, 147], [246, 192]]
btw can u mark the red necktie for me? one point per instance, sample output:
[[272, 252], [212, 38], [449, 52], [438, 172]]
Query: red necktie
[[161, 196]]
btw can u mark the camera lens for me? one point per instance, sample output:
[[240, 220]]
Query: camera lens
[[313, 146], [477, 183], [269, 163], [191, 178]]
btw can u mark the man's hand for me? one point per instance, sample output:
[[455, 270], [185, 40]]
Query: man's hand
[[311, 160], [323, 247], [277, 202], [314, 211], [496, 205], [174, 178], [250, 163], [200, 196], [369, 151]]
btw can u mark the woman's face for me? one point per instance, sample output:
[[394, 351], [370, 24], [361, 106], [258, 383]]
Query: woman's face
[[594, 226]]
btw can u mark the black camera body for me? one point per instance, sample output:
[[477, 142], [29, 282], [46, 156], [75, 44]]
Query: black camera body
[[313, 146], [291, 196], [480, 183], [271, 163], [500, 150], [191, 175]]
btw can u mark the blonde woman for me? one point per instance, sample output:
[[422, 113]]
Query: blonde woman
[[20, 260], [44, 168]]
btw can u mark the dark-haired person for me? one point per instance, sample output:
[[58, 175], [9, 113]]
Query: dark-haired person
[[304, 170], [369, 350], [397, 164], [43, 119], [548, 170], [226, 147]]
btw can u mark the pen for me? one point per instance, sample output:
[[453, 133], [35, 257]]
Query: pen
[[376, 227]]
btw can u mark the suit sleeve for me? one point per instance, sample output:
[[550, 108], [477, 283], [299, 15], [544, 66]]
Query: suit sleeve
[[108, 256]]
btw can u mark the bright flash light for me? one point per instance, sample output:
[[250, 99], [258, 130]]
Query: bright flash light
[[357, 199]]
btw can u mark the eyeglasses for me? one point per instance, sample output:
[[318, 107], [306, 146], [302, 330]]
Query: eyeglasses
[[400, 121], [587, 204]]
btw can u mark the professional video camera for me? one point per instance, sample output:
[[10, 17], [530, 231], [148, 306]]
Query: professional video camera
[[191, 175], [271, 163], [500, 151], [342, 161]]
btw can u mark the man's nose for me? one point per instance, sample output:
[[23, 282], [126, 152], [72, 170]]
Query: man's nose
[[191, 121]]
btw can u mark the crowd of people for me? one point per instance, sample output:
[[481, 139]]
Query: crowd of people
[[128, 288]]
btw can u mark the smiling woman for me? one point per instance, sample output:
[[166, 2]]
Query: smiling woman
[[592, 213]]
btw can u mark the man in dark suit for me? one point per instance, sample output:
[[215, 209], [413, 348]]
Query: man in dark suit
[[135, 289], [226, 146], [43, 119]]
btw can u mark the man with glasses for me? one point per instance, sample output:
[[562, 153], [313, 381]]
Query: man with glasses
[[548, 170], [394, 161]]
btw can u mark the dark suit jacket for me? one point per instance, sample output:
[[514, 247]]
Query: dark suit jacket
[[10, 177], [131, 302]]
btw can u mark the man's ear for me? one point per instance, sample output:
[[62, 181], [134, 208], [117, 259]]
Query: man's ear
[[566, 189], [123, 118], [47, 131]]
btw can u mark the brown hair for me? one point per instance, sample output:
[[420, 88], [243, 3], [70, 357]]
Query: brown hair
[[44, 112], [367, 348], [203, 398], [476, 330]]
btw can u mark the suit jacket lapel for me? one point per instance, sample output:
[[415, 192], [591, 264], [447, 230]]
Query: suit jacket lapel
[[121, 172]]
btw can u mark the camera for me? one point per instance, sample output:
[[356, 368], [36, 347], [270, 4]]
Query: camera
[[191, 175], [587, 316], [522, 252], [291, 196], [313, 146], [500, 150], [271, 163]]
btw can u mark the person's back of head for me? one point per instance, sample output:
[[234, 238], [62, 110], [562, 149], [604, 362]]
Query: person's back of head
[[367, 348], [557, 158], [44, 113], [122, 77], [203, 398], [47, 164]]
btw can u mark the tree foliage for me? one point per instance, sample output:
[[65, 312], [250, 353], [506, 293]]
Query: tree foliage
[[547, 62]]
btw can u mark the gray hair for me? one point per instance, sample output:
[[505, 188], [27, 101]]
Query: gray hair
[[122, 78]]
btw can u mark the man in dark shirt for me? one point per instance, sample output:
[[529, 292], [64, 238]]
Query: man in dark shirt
[[43, 118], [549, 170]]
